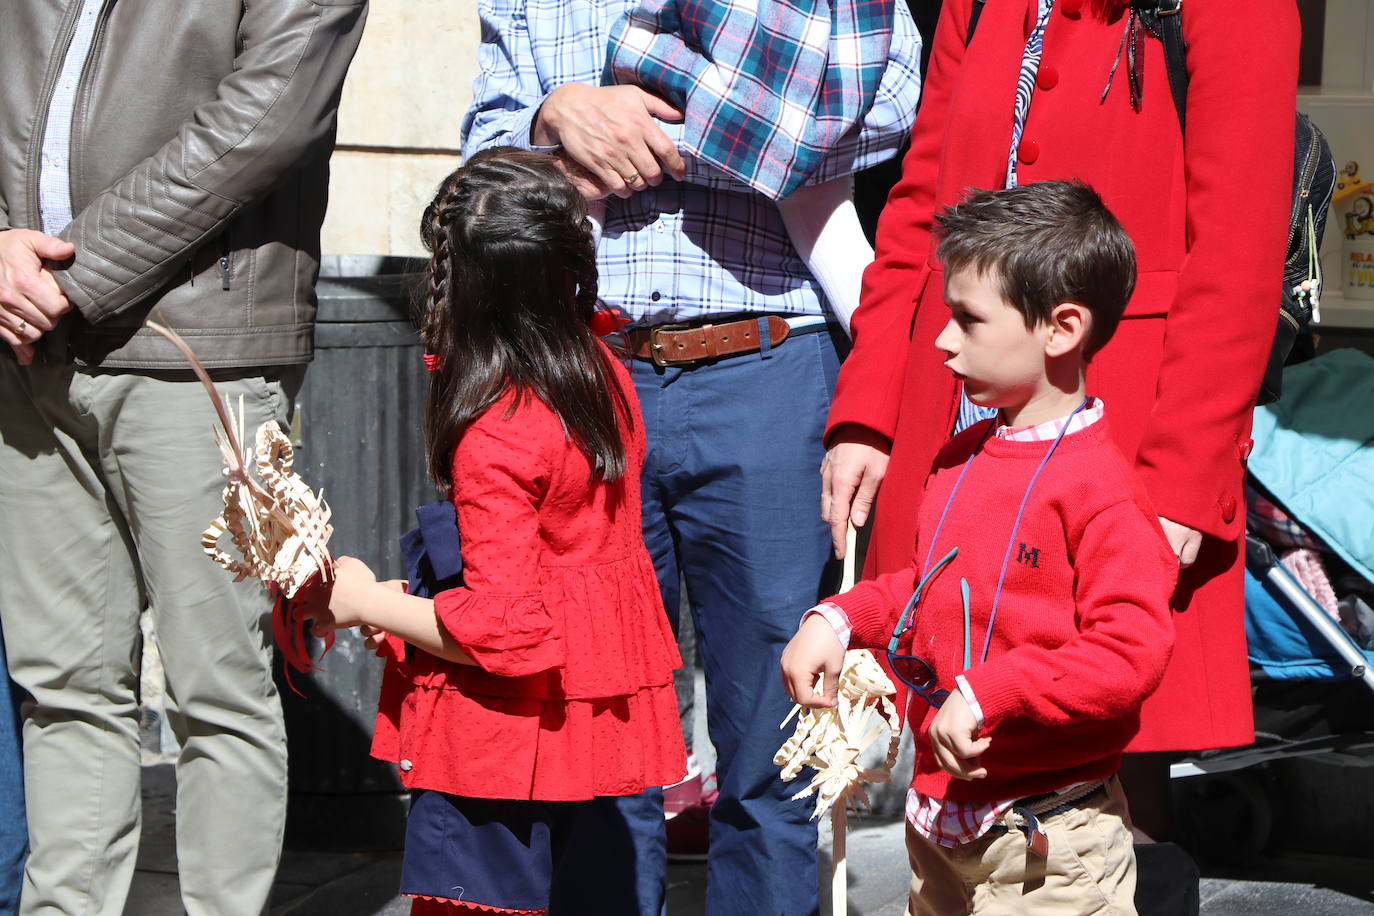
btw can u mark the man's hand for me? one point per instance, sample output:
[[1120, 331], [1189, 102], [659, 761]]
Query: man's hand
[[850, 474], [611, 133], [814, 650], [1184, 541], [30, 299], [954, 738]]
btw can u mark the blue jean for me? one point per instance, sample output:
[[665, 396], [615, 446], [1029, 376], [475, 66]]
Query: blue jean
[[14, 831], [732, 506], [612, 862]]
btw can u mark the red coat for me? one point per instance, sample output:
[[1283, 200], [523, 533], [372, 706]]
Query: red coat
[[1209, 226], [572, 692]]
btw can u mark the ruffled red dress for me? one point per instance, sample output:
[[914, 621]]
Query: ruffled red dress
[[572, 694]]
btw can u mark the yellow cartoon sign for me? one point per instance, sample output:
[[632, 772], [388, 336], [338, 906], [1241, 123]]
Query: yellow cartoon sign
[[1354, 199]]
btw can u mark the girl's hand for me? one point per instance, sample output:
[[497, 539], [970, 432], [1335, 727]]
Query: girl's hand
[[954, 738], [374, 639], [355, 590]]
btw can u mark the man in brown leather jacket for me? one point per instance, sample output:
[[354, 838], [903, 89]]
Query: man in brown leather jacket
[[171, 156]]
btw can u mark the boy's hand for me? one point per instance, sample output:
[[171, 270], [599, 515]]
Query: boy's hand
[[814, 650], [355, 588], [954, 738]]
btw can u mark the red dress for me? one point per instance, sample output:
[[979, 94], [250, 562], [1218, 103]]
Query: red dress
[[572, 695], [1208, 219]]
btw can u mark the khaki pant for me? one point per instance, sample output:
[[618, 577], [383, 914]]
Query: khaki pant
[[106, 482], [1090, 868]]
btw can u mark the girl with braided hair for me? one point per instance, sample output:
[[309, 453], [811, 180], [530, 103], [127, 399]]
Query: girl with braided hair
[[517, 704]]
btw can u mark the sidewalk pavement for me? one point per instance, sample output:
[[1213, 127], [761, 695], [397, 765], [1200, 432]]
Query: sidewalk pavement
[[364, 884], [1281, 884]]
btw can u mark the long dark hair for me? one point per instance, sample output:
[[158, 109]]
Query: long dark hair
[[511, 287]]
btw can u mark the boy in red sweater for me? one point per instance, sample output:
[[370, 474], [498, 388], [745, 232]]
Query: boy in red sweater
[[1034, 618]]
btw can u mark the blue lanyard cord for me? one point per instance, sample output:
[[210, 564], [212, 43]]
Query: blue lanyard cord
[[1011, 542], [902, 624], [963, 594], [935, 537]]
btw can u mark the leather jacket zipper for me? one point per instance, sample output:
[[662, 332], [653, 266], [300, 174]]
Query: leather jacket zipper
[[1309, 169], [83, 97], [225, 267], [35, 157]]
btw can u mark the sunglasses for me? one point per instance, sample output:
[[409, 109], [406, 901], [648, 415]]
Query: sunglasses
[[913, 670]]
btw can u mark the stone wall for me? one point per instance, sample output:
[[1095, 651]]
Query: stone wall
[[399, 123]]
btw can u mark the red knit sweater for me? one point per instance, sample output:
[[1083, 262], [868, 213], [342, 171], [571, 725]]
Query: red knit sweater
[[1083, 629]]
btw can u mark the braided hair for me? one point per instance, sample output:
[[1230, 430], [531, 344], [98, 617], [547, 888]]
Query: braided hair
[[511, 285]]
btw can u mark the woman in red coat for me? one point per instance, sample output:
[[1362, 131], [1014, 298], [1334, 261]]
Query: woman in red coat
[[1208, 214]]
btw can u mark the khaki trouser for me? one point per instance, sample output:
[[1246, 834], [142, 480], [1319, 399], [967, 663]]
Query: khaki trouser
[[106, 482], [1090, 868]]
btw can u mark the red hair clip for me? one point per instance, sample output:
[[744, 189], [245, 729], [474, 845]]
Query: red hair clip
[[606, 321], [432, 362]]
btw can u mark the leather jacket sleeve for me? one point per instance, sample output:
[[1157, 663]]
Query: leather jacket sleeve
[[277, 106]]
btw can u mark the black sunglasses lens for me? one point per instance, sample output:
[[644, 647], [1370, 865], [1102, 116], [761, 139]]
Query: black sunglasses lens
[[913, 670]]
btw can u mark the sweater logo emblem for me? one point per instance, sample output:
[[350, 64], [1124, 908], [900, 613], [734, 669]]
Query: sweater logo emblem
[[1028, 555]]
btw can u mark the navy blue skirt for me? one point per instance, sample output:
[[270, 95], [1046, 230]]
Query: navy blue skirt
[[487, 852]]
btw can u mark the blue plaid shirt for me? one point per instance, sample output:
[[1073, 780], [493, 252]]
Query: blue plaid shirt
[[706, 246]]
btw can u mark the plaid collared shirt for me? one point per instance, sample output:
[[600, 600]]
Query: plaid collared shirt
[[707, 246], [768, 87], [953, 823], [1044, 432]]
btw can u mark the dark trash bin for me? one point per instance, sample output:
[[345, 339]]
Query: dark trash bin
[[357, 429]]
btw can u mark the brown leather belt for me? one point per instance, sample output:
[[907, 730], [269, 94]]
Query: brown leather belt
[[699, 342]]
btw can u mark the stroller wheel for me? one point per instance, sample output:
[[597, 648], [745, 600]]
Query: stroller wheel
[[1225, 818]]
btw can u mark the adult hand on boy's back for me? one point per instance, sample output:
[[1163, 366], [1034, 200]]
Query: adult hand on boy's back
[[814, 650], [954, 738]]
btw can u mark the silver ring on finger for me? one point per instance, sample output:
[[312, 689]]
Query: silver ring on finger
[[23, 325]]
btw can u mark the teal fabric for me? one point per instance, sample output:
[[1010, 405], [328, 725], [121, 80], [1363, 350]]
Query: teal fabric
[[1313, 452], [1282, 643]]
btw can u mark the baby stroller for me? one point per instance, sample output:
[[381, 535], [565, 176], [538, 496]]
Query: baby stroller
[[1309, 604]]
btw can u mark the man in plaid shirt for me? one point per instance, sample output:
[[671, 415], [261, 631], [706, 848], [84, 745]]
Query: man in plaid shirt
[[735, 360]]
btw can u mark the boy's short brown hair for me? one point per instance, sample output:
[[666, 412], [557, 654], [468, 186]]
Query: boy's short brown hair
[[1044, 243]]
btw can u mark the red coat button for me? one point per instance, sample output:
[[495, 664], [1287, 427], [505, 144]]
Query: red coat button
[[1228, 509], [1244, 447], [1071, 8], [1028, 151], [1047, 77]]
